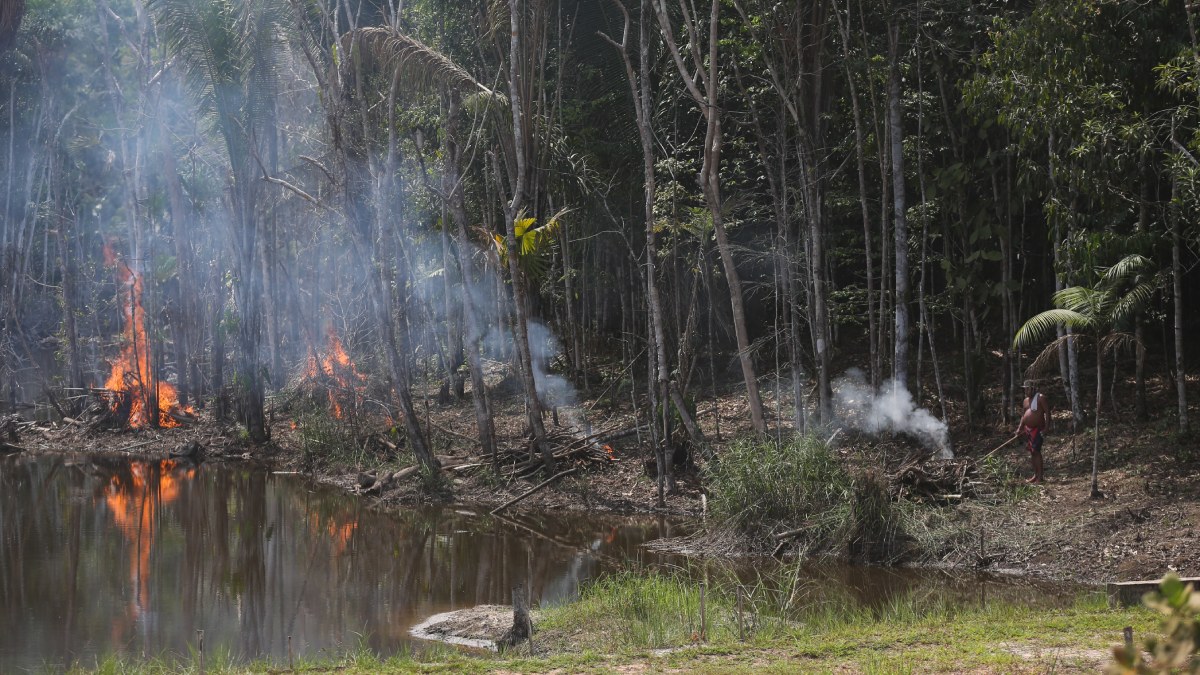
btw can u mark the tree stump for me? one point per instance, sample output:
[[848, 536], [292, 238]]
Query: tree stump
[[522, 628]]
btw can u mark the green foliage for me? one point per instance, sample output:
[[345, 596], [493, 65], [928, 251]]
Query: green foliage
[[231, 54], [876, 527], [534, 244], [758, 486], [1011, 486], [324, 439], [1176, 651], [1125, 289]]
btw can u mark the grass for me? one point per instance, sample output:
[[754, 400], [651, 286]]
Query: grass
[[620, 621], [757, 486]]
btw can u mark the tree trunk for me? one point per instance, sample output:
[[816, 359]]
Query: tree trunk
[[1096, 494], [1068, 367], [860, 163], [1177, 296], [899, 209], [707, 75], [515, 209], [454, 192]]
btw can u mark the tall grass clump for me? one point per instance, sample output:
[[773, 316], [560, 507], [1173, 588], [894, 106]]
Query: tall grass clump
[[629, 610], [759, 487]]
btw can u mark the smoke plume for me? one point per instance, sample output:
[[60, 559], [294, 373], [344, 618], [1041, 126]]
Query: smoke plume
[[888, 409]]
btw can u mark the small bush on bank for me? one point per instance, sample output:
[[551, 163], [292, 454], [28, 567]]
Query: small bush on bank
[[876, 526], [759, 487]]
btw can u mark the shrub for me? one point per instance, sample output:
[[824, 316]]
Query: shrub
[[876, 530], [760, 486]]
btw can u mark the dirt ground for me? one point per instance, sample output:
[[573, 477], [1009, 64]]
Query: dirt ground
[[1144, 526]]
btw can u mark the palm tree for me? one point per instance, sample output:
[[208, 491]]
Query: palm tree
[[1100, 314], [229, 51]]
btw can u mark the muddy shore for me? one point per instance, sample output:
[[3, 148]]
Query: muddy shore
[[1145, 525]]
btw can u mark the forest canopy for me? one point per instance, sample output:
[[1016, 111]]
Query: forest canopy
[[658, 199]]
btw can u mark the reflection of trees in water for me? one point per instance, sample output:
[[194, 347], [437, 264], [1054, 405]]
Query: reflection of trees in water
[[252, 558]]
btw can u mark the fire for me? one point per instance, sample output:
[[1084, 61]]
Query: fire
[[131, 374], [344, 384], [608, 450]]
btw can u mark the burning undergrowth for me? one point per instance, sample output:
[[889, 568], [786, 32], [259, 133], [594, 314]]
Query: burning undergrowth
[[135, 396], [330, 375]]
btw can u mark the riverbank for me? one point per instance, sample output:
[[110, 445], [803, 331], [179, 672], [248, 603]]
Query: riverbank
[[1144, 527]]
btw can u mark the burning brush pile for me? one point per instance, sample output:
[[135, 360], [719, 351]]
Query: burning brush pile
[[331, 377], [132, 396]]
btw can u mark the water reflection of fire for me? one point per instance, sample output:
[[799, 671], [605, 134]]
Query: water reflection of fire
[[131, 376], [344, 385], [134, 501], [340, 531]]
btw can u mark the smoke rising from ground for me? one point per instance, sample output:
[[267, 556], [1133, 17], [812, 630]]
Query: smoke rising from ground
[[888, 409]]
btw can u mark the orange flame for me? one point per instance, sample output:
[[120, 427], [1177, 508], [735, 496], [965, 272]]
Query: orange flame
[[346, 383], [131, 373], [608, 450]]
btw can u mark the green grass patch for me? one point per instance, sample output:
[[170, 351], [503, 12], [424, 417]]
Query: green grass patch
[[618, 621]]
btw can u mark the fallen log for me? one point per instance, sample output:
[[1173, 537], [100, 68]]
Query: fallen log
[[386, 480], [532, 490], [181, 417], [788, 534]]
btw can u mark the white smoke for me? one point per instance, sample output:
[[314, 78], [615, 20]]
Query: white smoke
[[553, 390], [888, 409]]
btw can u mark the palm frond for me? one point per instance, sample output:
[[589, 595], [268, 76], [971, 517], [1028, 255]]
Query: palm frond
[[1046, 358], [1135, 300], [420, 65], [1126, 269], [1117, 340], [1079, 299], [1047, 322]]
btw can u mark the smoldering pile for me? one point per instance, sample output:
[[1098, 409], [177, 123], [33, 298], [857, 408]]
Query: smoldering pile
[[888, 409]]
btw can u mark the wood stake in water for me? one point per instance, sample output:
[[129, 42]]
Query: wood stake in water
[[200, 637], [291, 664], [703, 617]]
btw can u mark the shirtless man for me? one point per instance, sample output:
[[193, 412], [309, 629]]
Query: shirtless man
[[1035, 421]]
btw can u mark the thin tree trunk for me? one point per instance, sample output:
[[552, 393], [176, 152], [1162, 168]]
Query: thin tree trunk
[[513, 210], [454, 193], [706, 75], [1096, 430], [899, 209], [1177, 297]]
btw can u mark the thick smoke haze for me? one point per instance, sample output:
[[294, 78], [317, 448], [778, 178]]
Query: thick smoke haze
[[888, 409]]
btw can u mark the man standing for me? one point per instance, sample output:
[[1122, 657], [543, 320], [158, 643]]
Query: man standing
[[1035, 421]]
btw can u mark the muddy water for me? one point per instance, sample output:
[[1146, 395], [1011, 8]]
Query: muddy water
[[100, 556]]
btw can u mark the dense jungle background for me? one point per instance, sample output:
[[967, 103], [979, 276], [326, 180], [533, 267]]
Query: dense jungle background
[[735, 217]]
